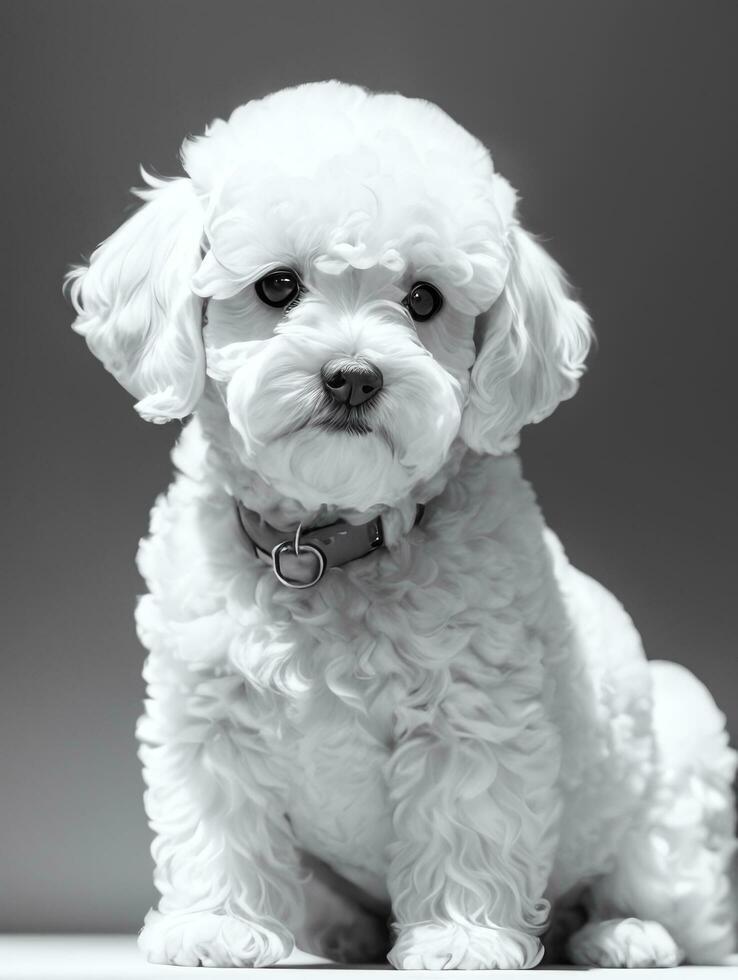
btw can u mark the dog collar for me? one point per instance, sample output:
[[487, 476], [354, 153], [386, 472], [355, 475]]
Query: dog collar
[[325, 547]]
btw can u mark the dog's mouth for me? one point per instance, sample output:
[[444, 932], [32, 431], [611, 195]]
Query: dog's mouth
[[353, 420], [354, 427]]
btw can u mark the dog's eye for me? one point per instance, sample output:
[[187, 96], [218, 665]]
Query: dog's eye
[[423, 301], [278, 288]]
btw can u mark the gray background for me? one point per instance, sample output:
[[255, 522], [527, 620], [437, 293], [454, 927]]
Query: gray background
[[617, 123]]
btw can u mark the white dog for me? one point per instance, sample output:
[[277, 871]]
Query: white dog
[[377, 689]]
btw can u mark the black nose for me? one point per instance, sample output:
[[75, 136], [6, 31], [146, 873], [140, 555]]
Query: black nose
[[350, 382]]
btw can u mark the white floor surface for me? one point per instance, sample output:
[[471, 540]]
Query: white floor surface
[[117, 958]]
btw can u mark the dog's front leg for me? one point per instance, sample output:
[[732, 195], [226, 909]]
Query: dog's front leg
[[226, 864], [475, 818]]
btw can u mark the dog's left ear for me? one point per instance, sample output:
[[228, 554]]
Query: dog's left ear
[[531, 348], [135, 303]]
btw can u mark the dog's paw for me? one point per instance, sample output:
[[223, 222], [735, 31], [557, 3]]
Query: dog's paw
[[209, 939], [434, 946], [624, 943]]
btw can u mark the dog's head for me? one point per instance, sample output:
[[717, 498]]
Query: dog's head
[[369, 295]]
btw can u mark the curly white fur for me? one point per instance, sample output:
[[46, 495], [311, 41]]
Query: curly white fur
[[460, 730]]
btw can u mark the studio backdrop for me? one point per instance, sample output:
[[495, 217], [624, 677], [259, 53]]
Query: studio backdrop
[[616, 122]]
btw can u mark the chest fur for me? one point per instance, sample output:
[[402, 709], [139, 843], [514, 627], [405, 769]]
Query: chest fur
[[439, 629]]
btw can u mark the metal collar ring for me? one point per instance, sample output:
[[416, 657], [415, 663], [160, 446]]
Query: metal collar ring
[[297, 547]]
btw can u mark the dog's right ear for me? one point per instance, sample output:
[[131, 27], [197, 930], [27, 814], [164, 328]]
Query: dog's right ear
[[135, 304]]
